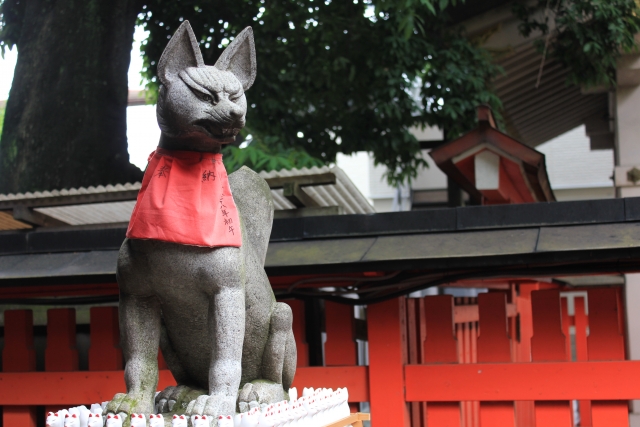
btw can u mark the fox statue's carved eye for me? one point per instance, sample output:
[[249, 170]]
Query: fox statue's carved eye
[[205, 97], [234, 97]]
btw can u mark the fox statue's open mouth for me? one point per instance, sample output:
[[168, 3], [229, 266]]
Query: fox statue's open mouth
[[222, 135]]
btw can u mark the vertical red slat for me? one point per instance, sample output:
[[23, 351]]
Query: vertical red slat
[[610, 413], [61, 353], [18, 355], [105, 353], [494, 346], [566, 323], [387, 357], [440, 346], [525, 413], [340, 347], [459, 334], [297, 309], [474, 359], [414, 343], [582, 322], [548, 345], [465, 332], [422, 322], [606, 342]]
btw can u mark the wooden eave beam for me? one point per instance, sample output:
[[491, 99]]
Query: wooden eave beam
[[326, 178]]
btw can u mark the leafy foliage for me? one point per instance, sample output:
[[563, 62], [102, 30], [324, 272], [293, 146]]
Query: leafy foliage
[[350, 75], [265, 156], [587, 36], [341, 76]]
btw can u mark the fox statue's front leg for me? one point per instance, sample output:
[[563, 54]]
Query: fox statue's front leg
[[226, 319], [140, 337]]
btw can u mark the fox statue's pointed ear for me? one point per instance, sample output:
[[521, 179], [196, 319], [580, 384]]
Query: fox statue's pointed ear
[[181, 52], [240, 58]]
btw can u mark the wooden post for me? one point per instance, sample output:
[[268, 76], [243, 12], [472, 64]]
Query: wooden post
[[440, 346], [548, 344], [18, 355], [105, 353], [606, 342], [386, 323], [494, 346]]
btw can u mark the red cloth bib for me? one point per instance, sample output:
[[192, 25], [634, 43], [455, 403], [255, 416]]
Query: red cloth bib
[[185, 198]]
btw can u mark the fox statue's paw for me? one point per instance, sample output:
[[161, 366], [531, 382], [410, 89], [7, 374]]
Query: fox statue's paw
[[123, 405], [260, 392], [176, 398], [212, 405]]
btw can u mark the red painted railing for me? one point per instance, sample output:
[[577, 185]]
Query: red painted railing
[[505, 359], [502, 359]]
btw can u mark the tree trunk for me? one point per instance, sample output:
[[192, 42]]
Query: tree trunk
[[65, 122]]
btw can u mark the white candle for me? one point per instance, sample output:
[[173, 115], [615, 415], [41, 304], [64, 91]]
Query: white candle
[[114, 420], [138, 420], [95, 420], [179, 421], [156, 420]]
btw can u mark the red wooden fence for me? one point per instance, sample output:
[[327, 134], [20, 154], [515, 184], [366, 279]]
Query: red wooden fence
[[502, 359]]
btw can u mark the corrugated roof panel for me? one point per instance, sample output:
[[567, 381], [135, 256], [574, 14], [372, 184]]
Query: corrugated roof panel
[[72, 191], [279, 201], [96, 213], [344, 193]]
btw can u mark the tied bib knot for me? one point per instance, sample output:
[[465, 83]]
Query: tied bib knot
[[185, 198]]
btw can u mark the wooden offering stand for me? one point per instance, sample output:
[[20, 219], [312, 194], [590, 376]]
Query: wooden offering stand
[[354, 420]]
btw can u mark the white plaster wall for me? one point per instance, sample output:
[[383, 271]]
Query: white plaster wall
[[357, 167], [430, 178], [628, 117], [572, 165]]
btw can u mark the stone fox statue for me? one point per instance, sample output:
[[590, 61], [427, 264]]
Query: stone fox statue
[[211, 309]]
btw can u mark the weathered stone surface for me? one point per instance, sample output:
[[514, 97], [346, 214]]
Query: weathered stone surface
[[211, 310]]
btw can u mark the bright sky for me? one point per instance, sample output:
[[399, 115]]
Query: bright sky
[[142, 129]]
